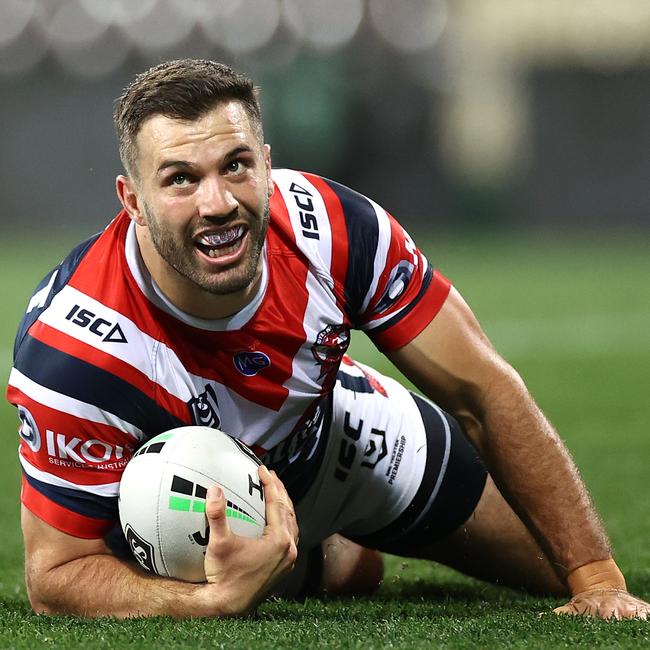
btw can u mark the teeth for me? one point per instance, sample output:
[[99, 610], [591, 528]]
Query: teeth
[[222, 237], [223, 250]]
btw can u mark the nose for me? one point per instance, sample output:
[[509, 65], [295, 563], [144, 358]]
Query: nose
[[215, 198]]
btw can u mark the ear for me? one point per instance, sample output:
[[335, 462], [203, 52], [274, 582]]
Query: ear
[[267, 164], [128, 196]]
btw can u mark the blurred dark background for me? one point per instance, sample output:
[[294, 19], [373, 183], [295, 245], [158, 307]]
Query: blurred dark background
[[487, 115]]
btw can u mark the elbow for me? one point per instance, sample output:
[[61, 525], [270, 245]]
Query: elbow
[[40, 592], [36, 595]]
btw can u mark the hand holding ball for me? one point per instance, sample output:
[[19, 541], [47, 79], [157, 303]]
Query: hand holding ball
[[163, 495]]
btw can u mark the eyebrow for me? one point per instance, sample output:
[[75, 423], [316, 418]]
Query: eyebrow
[[184, 164], [166, 164]]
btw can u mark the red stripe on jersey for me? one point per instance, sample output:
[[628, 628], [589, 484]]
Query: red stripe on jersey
[[208, 354], [401, 249], [79, 451], [61, 518], [80, 350], [339, 264], [417, 319], [104, 263]]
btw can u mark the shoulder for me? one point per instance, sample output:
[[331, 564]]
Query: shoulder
[[87, 265], [314, 198], [50, 286]]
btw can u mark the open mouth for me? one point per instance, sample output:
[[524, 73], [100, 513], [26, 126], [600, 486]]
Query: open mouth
[[221, 243]]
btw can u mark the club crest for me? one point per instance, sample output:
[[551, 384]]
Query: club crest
[[331, 344]]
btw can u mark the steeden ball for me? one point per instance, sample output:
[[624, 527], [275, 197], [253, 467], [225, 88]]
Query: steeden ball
[[163, 491]]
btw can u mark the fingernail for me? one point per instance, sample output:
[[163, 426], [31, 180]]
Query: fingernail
[[264, 469], [215, 492]]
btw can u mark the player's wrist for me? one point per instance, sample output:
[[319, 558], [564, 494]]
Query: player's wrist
[[213, 600], [601, 574]]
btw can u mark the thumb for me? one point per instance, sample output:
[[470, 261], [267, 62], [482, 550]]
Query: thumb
[[215, 511]]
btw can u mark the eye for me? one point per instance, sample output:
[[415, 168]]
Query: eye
[[234, 166], [179, 179]]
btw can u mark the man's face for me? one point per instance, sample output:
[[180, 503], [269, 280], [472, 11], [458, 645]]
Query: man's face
[[203, 196]]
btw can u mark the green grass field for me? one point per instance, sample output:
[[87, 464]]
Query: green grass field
[[574, 319]]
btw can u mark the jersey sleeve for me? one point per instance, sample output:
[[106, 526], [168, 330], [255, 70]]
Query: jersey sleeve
[[391, 290], [82, 415], [71, 451]]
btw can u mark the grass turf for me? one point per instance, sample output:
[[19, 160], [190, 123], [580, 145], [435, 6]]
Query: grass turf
[[574, 319]]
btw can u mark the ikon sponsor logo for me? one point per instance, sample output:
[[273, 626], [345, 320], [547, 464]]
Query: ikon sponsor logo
[[96, 452], [104, 329]]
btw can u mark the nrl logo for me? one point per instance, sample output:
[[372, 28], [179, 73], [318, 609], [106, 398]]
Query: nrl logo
[[204, 409], [331, 344], [142, 549]]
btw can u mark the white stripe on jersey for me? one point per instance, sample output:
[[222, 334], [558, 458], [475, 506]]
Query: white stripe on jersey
[[322, 308], [381, 254], [295, 201], [69, 405], [160, 364], [102, 490], [144, 353]]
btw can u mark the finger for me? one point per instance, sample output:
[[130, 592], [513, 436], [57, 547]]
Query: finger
[[290, 512], [215, 511], [566, 610], [632, 607], [280, 514], [606, 606]]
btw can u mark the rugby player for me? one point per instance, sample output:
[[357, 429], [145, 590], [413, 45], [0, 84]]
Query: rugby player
[[223, 294]]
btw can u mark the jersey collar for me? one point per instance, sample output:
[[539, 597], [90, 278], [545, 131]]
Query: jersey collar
[[155, 295]]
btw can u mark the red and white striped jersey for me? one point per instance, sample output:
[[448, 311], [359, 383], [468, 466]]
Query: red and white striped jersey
[[103, 361]]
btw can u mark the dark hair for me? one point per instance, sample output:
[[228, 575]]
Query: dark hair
[[183, 89]]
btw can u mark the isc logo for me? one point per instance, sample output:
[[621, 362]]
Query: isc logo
[[308, 219], [104, 329], [375, 451]]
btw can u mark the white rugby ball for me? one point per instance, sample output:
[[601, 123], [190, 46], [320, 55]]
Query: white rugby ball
[[163, 491]]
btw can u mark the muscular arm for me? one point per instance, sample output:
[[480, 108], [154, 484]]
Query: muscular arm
[[68, 575], [453, 362]]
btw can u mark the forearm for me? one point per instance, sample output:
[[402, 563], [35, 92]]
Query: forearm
[[536, 473], [102, 585]]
